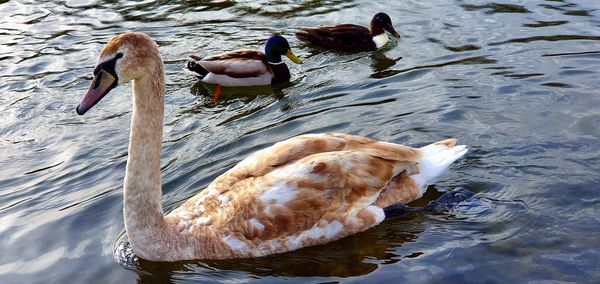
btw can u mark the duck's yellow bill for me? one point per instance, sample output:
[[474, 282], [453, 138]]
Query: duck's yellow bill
[[289, 54]]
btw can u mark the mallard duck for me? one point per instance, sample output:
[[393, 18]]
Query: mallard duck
[[246, 67], [308, 190], [350, 37]]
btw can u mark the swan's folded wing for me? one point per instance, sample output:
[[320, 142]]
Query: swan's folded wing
[[313, 200], [236, 64], [307, 190], [288, 151]]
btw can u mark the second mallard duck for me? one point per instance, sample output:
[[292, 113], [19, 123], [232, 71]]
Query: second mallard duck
[[350, 37], [246, 67]]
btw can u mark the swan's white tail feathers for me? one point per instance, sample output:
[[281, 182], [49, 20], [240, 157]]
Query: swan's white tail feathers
[[436, 159]]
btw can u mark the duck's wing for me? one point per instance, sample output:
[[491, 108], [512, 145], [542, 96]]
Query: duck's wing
[[346, 37], [236, 64], [307, 190]]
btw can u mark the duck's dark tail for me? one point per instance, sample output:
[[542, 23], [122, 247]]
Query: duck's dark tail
[[399, 210], [195, 67], [443, 204]]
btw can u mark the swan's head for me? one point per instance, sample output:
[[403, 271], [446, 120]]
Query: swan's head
[[380, 22], [128, 56]]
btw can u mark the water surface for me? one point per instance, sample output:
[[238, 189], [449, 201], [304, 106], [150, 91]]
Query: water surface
[[518, 81]]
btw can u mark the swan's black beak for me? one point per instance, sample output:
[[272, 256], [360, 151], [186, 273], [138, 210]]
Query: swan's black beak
[[102, 84]]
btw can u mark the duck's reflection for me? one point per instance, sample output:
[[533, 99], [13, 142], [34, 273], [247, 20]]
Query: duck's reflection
[[380, 62], [229, 94], [235, 96]]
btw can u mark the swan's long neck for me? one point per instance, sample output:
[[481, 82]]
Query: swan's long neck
[[144, 218]]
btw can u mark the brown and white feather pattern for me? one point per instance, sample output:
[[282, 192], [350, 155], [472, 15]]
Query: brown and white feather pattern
[[307, 190]]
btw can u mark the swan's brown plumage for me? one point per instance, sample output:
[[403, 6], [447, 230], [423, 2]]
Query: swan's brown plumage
[[334, 177]]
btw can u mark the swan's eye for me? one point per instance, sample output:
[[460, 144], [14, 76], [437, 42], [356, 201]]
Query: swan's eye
[[109, 65]]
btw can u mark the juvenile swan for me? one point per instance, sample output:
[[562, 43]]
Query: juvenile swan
[[308, 190]]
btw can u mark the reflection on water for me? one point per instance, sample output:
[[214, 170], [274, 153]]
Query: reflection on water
[[494, 8], [228, 94], [517, 81]]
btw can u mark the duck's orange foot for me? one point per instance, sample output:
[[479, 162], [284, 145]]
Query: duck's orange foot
[[217, 93]]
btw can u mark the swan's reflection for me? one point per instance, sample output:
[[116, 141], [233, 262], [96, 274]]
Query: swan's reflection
[[358, 255]]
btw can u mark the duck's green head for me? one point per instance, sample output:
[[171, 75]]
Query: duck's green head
[[380, 22], [276, 47]]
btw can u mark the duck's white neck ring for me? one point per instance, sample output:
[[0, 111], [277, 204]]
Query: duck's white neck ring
[[275, 63], [380, 40]]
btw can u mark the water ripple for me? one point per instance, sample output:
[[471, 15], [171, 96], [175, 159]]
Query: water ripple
[[517, 82]]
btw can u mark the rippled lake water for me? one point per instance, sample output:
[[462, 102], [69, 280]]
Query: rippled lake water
[[518, 81]]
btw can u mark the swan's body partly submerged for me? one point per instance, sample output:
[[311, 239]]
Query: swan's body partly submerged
[[307, 190]]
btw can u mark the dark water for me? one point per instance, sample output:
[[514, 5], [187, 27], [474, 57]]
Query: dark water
[[518, 81]]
